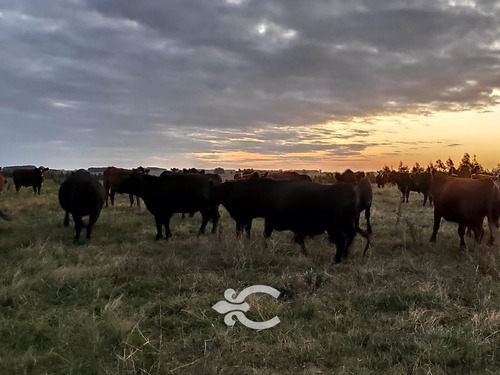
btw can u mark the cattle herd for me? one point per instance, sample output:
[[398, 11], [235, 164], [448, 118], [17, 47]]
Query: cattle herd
[[286, 200]]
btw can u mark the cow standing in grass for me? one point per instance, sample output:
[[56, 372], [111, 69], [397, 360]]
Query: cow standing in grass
[[81, 194], [29, 177], [364, 189], [112, 177], [173, 193], [466, 202], [305, 208]]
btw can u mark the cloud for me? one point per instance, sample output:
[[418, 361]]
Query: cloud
[[227, 68]]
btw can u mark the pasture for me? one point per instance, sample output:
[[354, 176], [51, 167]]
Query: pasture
[[126, 304]]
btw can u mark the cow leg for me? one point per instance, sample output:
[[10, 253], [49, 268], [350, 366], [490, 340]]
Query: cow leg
[[159, 228], [367, 217], [338, 239], [39, 187], [18, 187], [66, 219], [407, 195], [425, 199], [131, 199], [437, 222], [298, 238], [461, 233], [78, 227], [248, 228], [166, 222], [430, 201], [112, 196], [34, 189], [215, 216], [239, 228], [205, 217], [92, 220], [492, 226]]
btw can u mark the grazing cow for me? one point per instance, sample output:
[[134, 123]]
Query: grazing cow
[[402, 179], [421, 183], [81, 194], [29, 177], [466, 202], [305, 208], [193, 170], [111, 179], [381, 179], [248, 173], [173, 193], [364, 190], [288, 175]]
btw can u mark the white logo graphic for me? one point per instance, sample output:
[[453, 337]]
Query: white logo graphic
[[236, 307]]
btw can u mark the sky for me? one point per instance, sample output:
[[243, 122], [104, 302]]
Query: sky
[[270, 84]]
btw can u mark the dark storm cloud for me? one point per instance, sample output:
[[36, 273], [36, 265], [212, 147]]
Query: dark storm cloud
[[247, 75]]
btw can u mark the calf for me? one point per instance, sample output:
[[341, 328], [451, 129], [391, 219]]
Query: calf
[[81, 194], [29, 177]]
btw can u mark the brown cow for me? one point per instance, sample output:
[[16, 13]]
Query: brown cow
[[112, 177], [466, 202], [29, 177], [365, 193]]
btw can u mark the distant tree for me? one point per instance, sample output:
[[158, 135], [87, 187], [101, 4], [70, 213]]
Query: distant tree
[[417, 168], [466, 160], [403, 168], [475, 164], [439, 165], [430, 167], [449, 163]]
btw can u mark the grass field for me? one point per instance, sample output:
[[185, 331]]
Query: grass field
[[126, 304]]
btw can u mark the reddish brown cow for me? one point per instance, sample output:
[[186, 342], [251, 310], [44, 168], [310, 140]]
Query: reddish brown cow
[[466, 202], [29, 177], [112, 178]]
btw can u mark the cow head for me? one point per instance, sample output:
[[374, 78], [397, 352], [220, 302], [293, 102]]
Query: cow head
[[348, 176]]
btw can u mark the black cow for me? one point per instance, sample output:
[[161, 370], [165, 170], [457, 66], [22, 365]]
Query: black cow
[[29, 177], [305, 208], [173, 193], [81, 194], [402, 179], [381, 179], [421, 183], [364, 189]]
